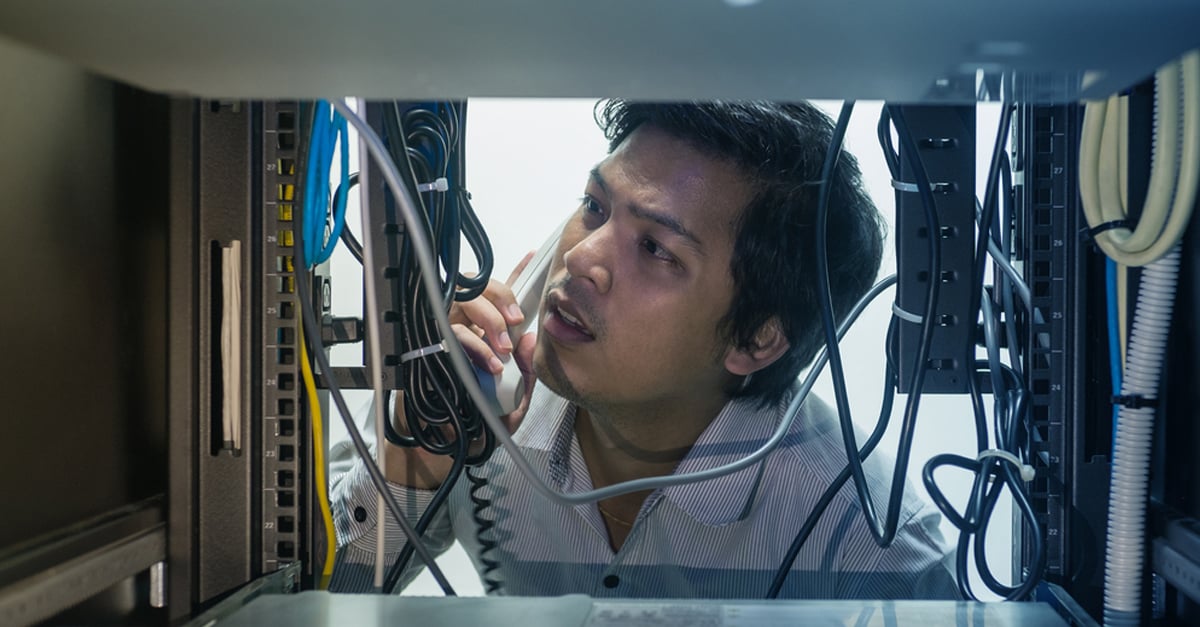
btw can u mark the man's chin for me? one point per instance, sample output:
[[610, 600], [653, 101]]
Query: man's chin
[[550, 373]]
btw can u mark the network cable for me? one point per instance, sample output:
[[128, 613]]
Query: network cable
[[883, 533], [319, 467], [312, 330], [353, 246], [1154, 244], [440, 416], [881, 424], [1008, 392], [1174, 170], [392, 581], [328, 129], [982, 501]]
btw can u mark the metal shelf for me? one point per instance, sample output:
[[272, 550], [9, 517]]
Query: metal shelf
[[919, 50]]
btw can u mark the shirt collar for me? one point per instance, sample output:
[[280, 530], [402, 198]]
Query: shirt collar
[[740, 429], [549, 428]]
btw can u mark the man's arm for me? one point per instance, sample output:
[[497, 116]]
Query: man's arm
[[414, 474], [354, 498]]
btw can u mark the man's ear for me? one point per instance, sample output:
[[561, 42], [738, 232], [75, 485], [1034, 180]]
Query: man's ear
[[769, 344]]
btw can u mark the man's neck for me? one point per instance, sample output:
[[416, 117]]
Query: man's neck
[[621, 444]]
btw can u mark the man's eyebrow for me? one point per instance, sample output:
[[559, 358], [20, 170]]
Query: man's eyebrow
[[666, 221]]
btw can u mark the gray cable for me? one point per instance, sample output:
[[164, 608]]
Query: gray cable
[[431, 283], [374, 352], [1019, 284]]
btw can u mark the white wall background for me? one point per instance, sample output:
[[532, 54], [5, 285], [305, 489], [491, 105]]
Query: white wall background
[[527, 165]]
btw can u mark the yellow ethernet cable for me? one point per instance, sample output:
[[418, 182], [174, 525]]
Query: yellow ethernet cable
[[318, 434]]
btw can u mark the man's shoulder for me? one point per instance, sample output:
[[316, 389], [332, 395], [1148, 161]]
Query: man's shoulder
[[813, 454]]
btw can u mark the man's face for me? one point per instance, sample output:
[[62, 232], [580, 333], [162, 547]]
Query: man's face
[[641, 279]]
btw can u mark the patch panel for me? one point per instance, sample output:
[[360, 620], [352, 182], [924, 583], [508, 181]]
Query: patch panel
[[282, 471]]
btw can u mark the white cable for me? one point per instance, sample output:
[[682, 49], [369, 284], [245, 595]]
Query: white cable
[[1163, 166], [1128, 487], [466, 374], [1125, 554], [1175, 167]]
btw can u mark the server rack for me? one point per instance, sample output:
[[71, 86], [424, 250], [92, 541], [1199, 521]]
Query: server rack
[[242, 504]]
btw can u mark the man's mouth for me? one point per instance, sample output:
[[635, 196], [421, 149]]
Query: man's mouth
[[572, 320], [565, 322]]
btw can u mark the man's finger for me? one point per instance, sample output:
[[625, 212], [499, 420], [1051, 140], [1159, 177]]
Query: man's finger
[[524, 356], [478, 350], [486, 314], [512, 278]]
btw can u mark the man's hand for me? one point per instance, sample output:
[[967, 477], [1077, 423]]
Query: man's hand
[[481, 326]]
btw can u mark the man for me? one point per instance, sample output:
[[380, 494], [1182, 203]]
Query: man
[[679, 310]]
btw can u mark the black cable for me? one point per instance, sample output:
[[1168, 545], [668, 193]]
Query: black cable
[[312, 331], [882, 534], [985, 220], [978, 516], [434, 395], [391, 582], [819, 509], [973, 522], [441, 417], [883, 130], [1007, 298], [981, 500], [472, 229], [352, 244], [483, 525]]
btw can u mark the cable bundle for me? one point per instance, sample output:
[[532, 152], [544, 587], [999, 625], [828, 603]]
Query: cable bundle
[[1154, 244], [328, 130], [441, 417], [321, 144], [1174, 172]]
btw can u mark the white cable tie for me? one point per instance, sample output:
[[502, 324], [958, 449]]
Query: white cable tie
[[1027, 471], [905, 187], [907, 316], [421, 352], [439, 184]]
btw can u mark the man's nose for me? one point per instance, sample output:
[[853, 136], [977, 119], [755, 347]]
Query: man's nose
[[589, 258]]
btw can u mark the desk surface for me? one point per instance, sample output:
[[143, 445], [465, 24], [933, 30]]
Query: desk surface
[[318, 609], [915, 50]]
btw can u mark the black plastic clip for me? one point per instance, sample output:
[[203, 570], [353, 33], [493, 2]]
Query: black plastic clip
[[1092, 232], [1134, 401]]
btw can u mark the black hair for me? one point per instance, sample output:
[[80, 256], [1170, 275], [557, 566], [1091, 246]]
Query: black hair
[[780, 147]]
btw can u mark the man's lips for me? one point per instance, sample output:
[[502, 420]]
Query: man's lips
[[571, 320], [565, 320]]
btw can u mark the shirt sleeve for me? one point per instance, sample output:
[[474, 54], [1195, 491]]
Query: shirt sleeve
[[353, 501]]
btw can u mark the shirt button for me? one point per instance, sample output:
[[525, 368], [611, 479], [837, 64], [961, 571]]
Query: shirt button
[[360, 514], [611, 581]]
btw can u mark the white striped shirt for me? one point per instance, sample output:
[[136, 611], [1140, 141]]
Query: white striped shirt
[[722, 538]]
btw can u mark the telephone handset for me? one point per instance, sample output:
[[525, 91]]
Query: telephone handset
[[507, 387]]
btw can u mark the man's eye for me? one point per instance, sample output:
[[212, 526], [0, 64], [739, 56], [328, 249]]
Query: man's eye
[[593, 213], [657, 251]]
